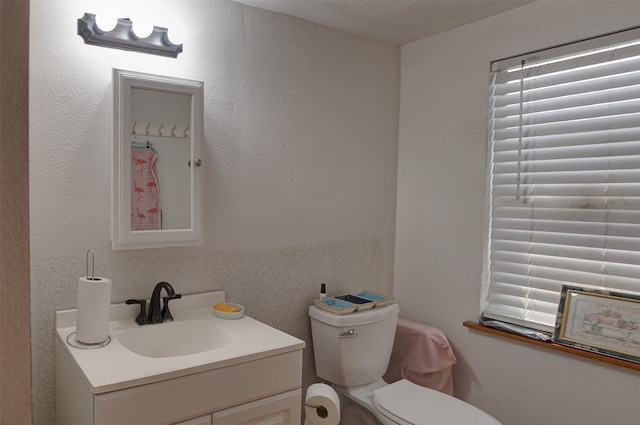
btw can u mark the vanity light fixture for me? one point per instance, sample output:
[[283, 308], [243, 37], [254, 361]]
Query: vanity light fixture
[[123, 37]]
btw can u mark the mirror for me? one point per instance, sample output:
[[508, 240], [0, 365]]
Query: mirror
[[156, 181]]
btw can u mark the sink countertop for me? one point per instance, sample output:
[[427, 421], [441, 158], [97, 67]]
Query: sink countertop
[[114, 367]]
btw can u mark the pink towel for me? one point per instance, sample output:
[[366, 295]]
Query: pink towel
[[422, 355], [145, 192]]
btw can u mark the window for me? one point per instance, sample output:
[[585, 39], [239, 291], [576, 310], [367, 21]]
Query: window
[[564, 176]]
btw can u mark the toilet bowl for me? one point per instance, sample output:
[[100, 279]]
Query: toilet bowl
[[354, 414], [352, 352]]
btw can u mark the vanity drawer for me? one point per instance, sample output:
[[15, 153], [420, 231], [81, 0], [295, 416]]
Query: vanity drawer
[[281, 409], [173, 400]]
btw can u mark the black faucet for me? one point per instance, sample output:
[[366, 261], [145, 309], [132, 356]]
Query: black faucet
[[156, 315]]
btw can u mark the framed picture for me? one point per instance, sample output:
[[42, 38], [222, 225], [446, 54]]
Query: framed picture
[[604, 322]]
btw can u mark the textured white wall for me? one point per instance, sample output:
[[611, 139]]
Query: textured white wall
[[300, 151], [440, 216]]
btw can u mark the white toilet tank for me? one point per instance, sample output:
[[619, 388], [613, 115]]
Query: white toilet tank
[[353, 349]]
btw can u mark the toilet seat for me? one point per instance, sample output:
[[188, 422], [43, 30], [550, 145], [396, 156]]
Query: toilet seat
[[406, 403]]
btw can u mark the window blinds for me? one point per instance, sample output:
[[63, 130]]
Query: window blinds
[[564, 179]]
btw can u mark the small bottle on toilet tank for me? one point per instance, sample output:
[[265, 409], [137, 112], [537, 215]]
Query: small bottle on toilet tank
[[323, 293]]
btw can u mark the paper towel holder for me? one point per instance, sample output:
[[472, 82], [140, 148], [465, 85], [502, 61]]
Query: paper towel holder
[[73, 341], [321, 410], [91, 254]]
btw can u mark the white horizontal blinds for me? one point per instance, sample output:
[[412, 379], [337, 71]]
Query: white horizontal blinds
[[564, 182]]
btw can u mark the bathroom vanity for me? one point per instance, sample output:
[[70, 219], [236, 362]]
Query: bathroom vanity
[[197, 370]]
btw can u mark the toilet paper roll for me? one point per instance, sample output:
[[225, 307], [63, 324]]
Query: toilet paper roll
[[324, 396], [92, 320]]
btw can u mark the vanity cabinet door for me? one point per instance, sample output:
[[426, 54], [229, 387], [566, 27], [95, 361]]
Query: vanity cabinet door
[[204, 420], [174, 399], [281, 409]]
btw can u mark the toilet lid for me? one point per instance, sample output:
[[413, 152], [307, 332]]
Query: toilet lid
[[406, 402]]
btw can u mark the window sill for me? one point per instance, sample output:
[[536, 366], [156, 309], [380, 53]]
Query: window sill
[[554, 346]]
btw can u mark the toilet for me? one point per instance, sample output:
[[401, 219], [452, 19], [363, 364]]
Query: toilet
[[352, 352]]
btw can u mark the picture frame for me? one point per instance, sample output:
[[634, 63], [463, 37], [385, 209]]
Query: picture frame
[[600, 321]]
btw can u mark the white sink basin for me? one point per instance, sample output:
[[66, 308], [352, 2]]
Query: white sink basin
[[172, 339], [197, 341]]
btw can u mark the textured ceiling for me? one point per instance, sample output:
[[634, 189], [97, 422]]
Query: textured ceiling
[[394, 21]]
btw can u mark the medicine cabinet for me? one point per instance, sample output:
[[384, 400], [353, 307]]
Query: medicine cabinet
[[156, 176]]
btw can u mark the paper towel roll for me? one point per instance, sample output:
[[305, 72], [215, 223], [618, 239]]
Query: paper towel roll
[[322, 395], [92, 320]]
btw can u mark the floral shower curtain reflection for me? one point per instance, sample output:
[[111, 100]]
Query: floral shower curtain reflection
[[145, 190]]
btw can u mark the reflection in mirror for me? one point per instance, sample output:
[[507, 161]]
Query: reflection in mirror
[[156, 192], [160, 175]]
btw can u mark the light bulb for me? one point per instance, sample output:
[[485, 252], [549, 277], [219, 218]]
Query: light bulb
[[106, 21], [177, 33], [141, 27]]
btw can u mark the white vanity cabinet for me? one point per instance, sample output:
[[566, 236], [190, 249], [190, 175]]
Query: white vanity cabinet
[[264, 391], [255, 379]]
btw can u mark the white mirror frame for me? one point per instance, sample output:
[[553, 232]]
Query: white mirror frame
[[122, 237]]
